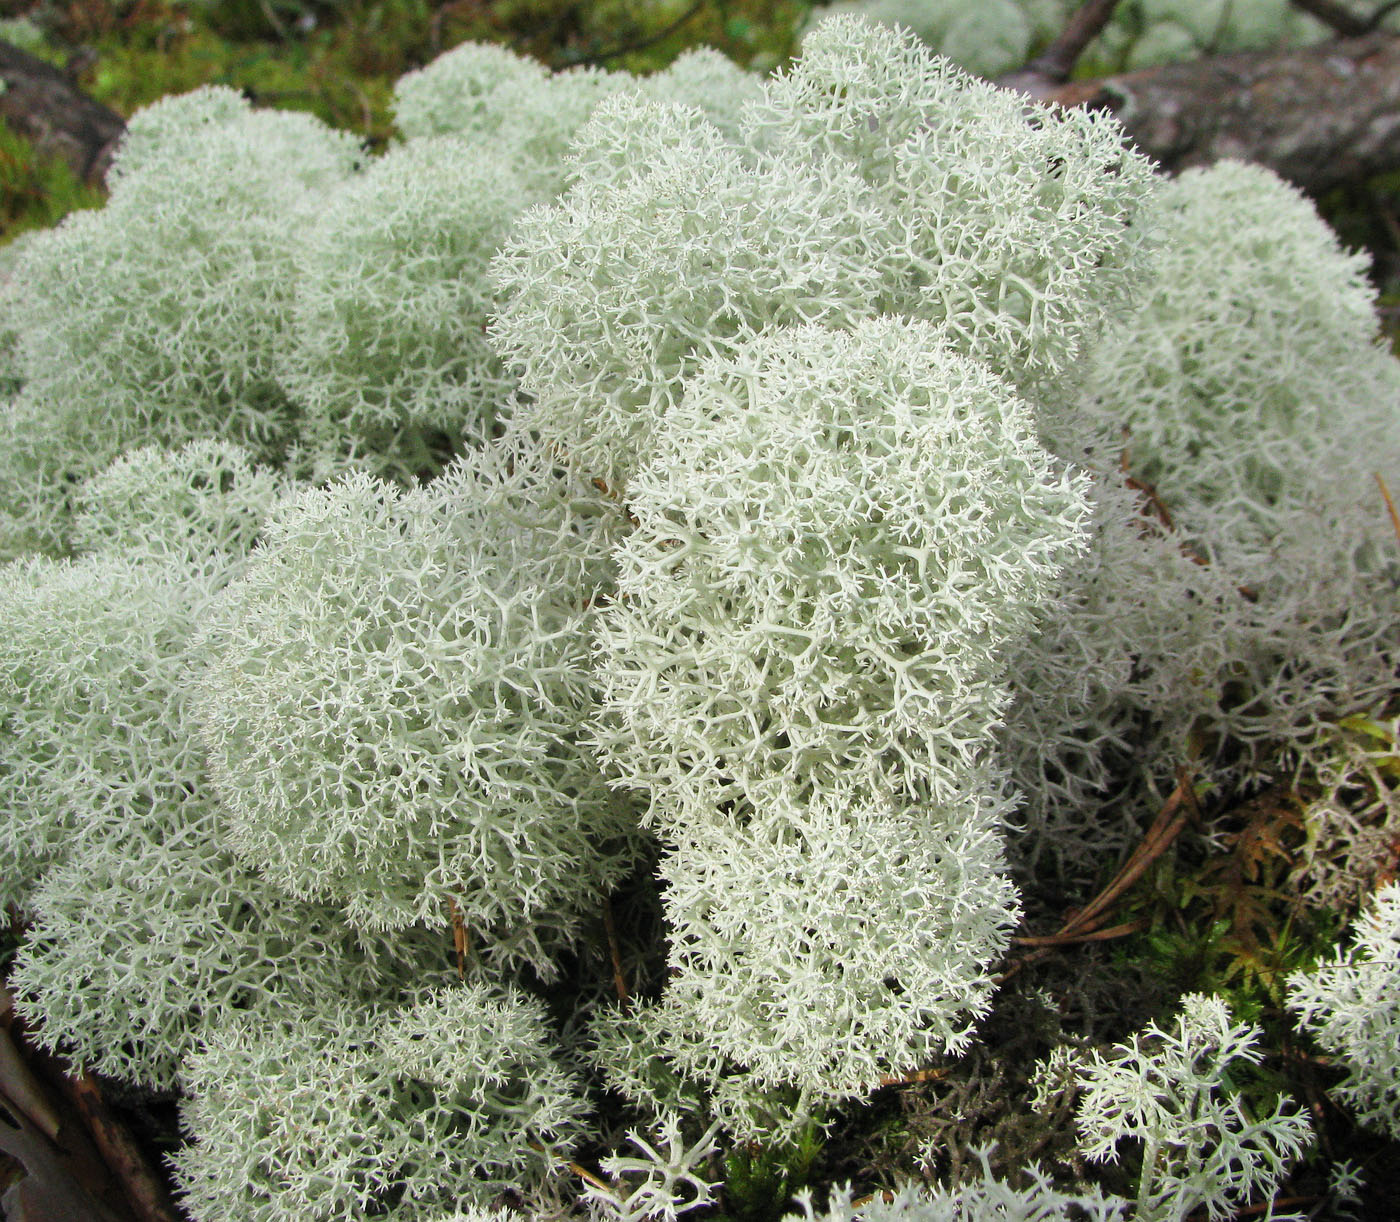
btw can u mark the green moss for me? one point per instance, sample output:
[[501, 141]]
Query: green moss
[[36, 191], [760, 1180]]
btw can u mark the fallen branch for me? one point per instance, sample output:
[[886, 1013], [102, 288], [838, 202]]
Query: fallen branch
[[145, 1192], [59, 119], [1336, 17], [82, 1162], [1318, 116], [1052, 67]]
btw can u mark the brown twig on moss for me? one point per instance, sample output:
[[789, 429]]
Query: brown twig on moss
[[1171, 819]]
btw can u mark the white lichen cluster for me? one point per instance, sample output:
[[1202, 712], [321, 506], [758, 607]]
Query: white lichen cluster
[[112, 840], [983, 1199], [205, 502], [664, 1178], [334, 1112], [842, 522], [987, 39], [1351, 1004], [168, 307], [852, 481], [1170, 1089], [387, 347], [528, 117], [802, 672], [1243, 584], [395, 703], [872, 179]]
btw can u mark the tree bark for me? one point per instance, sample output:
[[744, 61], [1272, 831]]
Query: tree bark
[[43, 105], [1319, 117]]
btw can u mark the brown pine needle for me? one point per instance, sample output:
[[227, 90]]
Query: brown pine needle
[[1389, 505], [459, 938], [578, 1169], [1085, 925], [918, 1075], [585, 1174], [619, 979], [1089, 935], [1165, 828]]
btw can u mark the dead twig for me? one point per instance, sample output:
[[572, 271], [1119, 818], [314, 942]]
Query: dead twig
[[1054, 64], [1092, 935], [1336, 17], [1157, 508], [1264, 1207], [81, 1161], [1165, 828], [619, 979], [915, 1077], [146, 1194]]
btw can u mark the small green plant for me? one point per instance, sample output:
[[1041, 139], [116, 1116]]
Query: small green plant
[[1221, 915], [761, 1180]]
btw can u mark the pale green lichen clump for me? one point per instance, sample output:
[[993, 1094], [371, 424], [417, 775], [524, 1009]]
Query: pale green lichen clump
[[112, 842], [387, 351], [1249, 404], [169, 306], [326, 1114], [984, 1199], [805, 666], [1351, 1004], [836, 534], [1170, 1090], [872, 179], [396, 700], [776, 506]]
